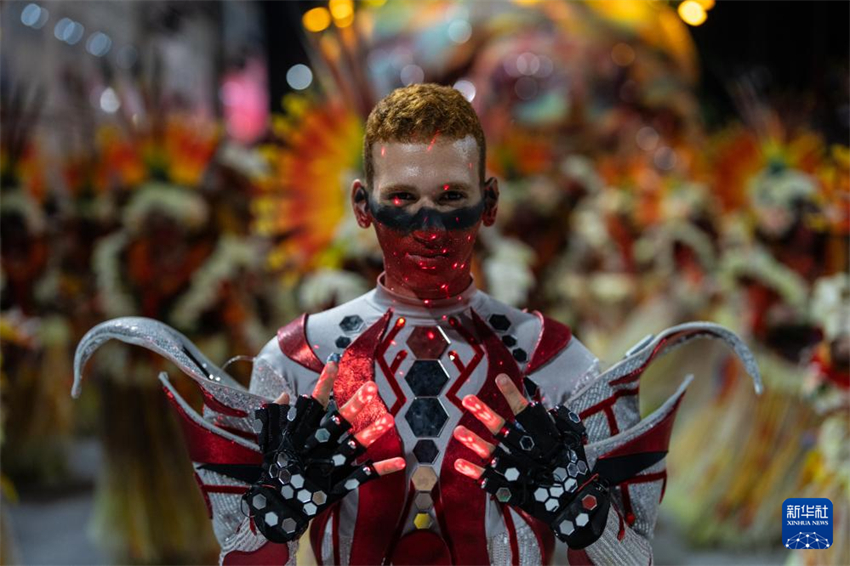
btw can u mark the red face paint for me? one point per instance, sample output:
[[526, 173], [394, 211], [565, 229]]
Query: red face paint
[[429, 252], [433, 263]]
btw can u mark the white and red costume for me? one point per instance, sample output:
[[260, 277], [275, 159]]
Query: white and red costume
[[424, 356]]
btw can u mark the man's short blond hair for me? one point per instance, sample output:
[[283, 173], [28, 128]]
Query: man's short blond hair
[[418, 113]]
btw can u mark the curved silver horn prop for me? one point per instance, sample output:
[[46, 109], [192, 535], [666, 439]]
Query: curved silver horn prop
[[156, 337], [653, 347]]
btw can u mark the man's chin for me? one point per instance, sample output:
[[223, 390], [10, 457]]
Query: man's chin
[[433, 271], [436, 264]]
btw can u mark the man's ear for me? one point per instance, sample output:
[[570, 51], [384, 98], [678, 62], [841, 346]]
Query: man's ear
[[491, 201], [360, 204]]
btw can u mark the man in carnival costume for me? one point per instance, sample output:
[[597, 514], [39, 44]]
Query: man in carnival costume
[[425, 422]]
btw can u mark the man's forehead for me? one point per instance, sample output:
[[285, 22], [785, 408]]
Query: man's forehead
[[406, 160], [466, 145]]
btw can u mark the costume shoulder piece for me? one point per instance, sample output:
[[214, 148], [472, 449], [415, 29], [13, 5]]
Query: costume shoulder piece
[[629, 451], [221, 440], [559, 361], [294, 358]]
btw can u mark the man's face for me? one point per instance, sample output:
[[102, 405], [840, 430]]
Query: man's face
[[428, 203]]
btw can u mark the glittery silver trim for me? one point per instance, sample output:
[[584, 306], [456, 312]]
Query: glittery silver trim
[[266, 379], [595, 449], [645, 498], [226, 507], [154, 336], [499, 546], [687, 332], [192, 414], [244, 424], [169, 343], [328, 546], [590, 374], [633, 550], [229, 523]]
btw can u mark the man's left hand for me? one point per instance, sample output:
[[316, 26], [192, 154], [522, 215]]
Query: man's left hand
[[539, 465]]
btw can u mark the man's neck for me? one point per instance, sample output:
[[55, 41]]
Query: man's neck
[[448, 288]]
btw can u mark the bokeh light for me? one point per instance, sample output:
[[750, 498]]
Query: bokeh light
[[34, 16], [299, 76], [527, 63], [342, 12], [109, 102], [622, 54], [466, 88], [460, 31], [98, 44], [412, 74], [692, 12], [647, 138], [316, 20]]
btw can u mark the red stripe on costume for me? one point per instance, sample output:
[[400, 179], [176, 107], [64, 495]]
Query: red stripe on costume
[[210, 448], [399, 528], [645, 478], [553, 337], [465, 369], [656, 439], [335, 535], [389, 371], [621, 532], [220, 407], [211, 488], [317, 532], [606, 405], [509, 525], [655, 476], [380, 501], [269, 553], [543, 533], [636, 373], [627, 503], [463, 501], [204, 493], [578, 558], [292, 340]]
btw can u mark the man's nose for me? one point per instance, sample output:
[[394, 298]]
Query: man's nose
[[429, 236], [431, 220]]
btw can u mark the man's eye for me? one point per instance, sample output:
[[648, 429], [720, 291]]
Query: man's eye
[[401, 198], [452, 196]]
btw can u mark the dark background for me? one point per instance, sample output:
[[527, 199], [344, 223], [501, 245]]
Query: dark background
[[794, 52]]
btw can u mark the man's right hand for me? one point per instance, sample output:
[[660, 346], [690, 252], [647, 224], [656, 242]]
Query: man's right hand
[[308, 457]]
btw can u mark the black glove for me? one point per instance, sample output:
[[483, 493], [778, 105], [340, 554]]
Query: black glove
[[308, 464], [540, 467]]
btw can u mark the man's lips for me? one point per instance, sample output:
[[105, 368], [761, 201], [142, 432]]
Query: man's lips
[[428, 249], [430, 254]]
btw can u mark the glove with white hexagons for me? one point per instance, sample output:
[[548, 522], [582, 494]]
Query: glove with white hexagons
[[540, 467], [308, 464]]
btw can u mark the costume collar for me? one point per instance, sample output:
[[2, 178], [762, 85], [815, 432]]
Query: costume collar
[[385, 298]]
